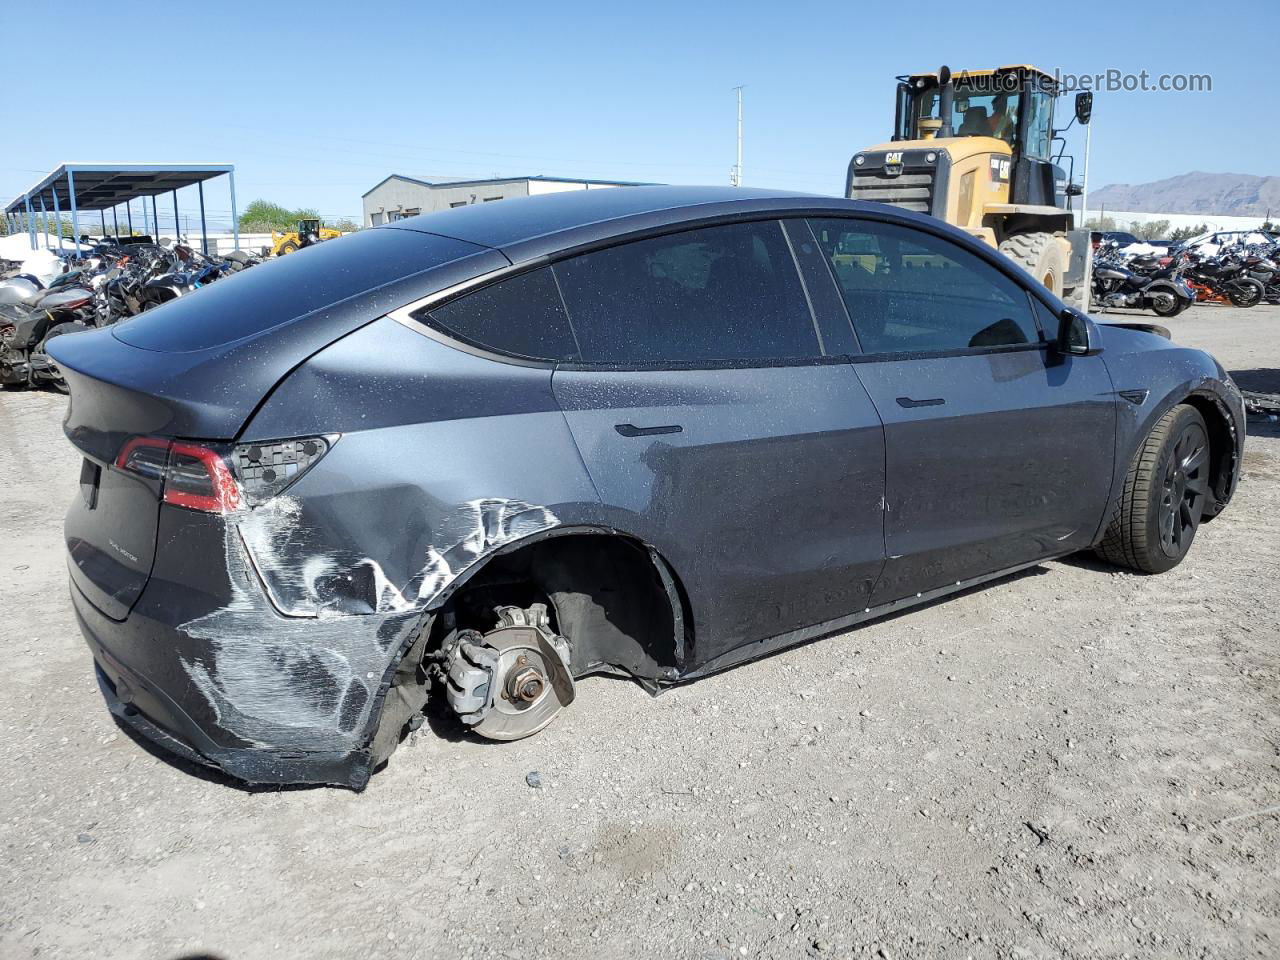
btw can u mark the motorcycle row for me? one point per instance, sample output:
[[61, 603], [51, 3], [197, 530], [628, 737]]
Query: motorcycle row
[[1243, 275], [113, 281]]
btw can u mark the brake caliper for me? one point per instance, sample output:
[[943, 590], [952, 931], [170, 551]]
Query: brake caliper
[[511, 682]]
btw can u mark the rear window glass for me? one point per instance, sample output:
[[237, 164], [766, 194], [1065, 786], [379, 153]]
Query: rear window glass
[[272, 294], [719, 293], [521, 316]]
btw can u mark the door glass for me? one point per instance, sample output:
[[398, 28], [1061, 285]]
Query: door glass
[[1039, 125], [522, 316], [908, 291], [719, 293]]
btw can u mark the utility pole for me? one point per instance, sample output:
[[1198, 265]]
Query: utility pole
[[736, 179]]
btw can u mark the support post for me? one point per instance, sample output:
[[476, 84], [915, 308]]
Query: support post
[[1084, 222], [31, 220], [204, 232], [57, 217], [128, 213], [44, 220], [116, 219], [177, 228], [235, 222], [103, 214], [146, 231], [155, 219], [75, 214]]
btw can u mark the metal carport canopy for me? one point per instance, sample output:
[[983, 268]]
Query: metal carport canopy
[[73, 187]]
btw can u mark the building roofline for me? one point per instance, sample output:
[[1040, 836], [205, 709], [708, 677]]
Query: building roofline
[[540, 178]]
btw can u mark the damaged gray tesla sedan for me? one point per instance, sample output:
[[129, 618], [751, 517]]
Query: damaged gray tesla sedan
[[649, 432]]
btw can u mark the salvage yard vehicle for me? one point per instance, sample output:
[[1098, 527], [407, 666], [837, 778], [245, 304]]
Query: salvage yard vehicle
[[651, 432], [975, 148], [309, 231]]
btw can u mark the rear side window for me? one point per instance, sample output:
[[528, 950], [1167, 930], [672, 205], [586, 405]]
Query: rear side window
[[522, 316], [909, 291], [714, 294]]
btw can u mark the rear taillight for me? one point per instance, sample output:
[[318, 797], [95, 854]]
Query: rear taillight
[[192, 476]]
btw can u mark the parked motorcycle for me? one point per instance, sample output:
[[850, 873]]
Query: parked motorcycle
[[1222, 278], [1160, 290], [25, 332]]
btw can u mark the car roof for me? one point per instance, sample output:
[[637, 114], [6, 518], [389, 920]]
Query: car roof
[[524, 228]]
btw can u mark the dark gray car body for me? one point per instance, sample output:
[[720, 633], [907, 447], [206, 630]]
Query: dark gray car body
[[773, 503]]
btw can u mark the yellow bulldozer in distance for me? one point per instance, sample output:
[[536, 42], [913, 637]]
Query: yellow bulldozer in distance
[[309, 231], [976, 149]]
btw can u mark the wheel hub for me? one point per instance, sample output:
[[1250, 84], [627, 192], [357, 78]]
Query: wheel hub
[[514, 680]]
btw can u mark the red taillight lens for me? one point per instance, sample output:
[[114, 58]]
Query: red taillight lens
[[199, 479], [194, 477]]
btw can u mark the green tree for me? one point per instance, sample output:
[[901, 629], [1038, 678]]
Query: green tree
[[1186, 233], [263, 216], [1153, 230], [1101, 223]]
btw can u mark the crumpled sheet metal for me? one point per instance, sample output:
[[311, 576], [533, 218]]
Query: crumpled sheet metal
[[299, 666]]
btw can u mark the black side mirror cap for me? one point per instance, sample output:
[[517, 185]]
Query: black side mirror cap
[[1076, 335], [1084, 106]]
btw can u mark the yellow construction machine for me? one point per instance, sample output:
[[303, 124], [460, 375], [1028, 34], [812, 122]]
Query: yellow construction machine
[[975, 149], [309, 231]]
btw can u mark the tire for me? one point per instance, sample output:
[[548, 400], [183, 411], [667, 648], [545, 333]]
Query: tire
[[1040, 254], [1166, 491], [1174, 307], [287, 247], [1246, 293], [59, 330]]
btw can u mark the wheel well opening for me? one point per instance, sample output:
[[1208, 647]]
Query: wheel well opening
[[1222, 450], [622, 612]]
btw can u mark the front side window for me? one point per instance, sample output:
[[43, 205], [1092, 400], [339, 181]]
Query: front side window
[[723, 293], [1039, 125], [521, 316], [908, 291]]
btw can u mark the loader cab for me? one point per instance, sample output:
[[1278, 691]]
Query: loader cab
[[308, 226], [1011, 104]]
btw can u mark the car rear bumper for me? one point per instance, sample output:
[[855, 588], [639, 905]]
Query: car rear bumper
[[155, 715]]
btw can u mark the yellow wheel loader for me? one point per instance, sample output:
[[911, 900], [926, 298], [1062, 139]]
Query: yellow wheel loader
[[976, 149], [309, 231]]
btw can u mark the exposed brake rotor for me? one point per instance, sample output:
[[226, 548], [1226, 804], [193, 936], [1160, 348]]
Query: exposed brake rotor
[[511, 682]]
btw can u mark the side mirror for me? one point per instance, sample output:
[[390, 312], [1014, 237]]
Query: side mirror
[[1084, 106], [1075, 333]]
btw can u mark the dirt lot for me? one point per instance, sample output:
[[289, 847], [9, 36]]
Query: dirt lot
[[1073, 762]]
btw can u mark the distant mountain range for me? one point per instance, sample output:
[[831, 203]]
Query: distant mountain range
[[1225, 194]]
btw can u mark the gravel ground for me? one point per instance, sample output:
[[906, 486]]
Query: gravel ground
[[1073, 762]]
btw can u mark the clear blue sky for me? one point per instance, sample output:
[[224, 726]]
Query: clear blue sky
[[316, 102]]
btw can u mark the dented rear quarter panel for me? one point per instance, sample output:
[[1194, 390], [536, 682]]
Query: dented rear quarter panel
[[442, 459]]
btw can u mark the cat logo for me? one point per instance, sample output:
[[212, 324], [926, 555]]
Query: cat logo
[[893, 157]]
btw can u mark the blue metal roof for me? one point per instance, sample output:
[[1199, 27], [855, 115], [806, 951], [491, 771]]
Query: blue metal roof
[[100, 186]]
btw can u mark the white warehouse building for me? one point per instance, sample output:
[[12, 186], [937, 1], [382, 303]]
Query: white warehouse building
[[398, 196]]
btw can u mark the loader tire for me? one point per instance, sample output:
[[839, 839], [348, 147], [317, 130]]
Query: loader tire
[[1165, 494], [1040, 254], [288, 247]]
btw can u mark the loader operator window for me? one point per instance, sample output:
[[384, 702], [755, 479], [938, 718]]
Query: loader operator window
[[980, 108]]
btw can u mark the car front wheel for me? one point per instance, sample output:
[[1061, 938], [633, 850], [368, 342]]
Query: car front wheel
[[1164, 496]]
